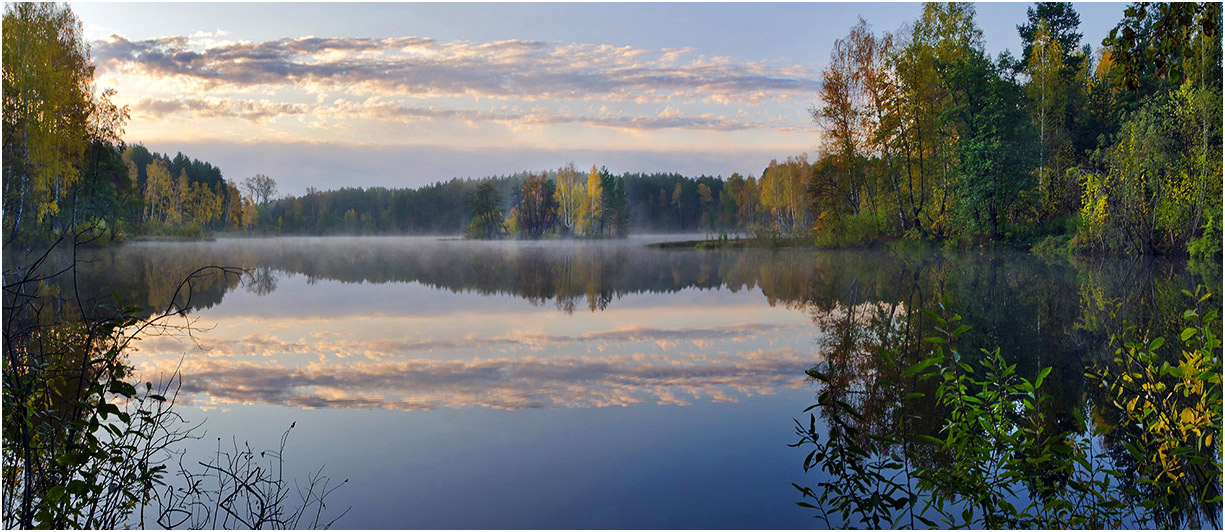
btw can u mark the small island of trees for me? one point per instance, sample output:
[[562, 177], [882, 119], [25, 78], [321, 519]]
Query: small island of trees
[[594, 209]]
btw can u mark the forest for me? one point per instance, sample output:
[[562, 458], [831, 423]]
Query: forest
[[925, 137], [1072, 147], [1116, 149]]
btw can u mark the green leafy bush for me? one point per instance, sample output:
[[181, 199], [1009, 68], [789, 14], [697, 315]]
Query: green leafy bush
[[997, 463]]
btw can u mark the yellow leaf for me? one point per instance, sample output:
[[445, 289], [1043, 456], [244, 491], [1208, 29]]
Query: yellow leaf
[[1187, 416]]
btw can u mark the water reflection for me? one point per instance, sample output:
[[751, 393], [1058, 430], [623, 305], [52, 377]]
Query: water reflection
[[619, 367], [261, 281], [571, 275], [503, 383], [1040, 313], [417, 324]]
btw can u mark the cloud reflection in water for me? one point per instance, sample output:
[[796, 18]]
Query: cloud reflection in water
[[623, 366]]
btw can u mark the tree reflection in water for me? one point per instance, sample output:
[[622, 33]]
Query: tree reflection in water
[[1069, 318], [1058, 313]]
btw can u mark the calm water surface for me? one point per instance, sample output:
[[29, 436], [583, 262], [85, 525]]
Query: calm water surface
[[463, 384]]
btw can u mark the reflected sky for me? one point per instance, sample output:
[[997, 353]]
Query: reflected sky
[[666, 404], [572, 384], [416, 348]]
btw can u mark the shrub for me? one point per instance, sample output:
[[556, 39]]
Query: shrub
[[996, 449]]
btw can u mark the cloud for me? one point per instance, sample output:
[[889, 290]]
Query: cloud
[[502, 383], [262, 111], [256, 111], [423, 68]]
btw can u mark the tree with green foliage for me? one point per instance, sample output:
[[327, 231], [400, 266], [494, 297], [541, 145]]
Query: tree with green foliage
[[1058, 83], [1054, 22], [486, 206], [614, 217], [1165, 44], [1155, 184], [728, 217], [609, 201], [997, 156], [923, 136], [1160, 183], [620, 209]]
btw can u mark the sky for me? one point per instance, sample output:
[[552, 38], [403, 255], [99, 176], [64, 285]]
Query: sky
[[329, 95]]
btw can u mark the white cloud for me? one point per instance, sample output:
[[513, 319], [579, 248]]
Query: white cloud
[[421, 67]]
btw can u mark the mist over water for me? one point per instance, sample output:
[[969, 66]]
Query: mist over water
[[579, 384]]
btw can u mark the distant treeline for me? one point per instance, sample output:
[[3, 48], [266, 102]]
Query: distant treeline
[[654, 202]]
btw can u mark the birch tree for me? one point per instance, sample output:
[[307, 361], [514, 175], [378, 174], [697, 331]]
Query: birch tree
[[569, 196], [47, 103]]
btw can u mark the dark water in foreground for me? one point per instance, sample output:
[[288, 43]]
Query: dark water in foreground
[[586, 385]]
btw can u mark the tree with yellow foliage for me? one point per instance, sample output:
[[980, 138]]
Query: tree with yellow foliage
[[569, 195], [591, 216], [784, 193], [47, 105]]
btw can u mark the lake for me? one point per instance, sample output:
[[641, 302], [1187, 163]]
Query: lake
[[600, 384]]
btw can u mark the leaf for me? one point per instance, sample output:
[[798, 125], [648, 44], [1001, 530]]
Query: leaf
[[55, 493], [921, 366], [122, 388], [107, 408], [1041, 375], [884, 353], [1156, 344], [1188, 333], [808, 463]]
